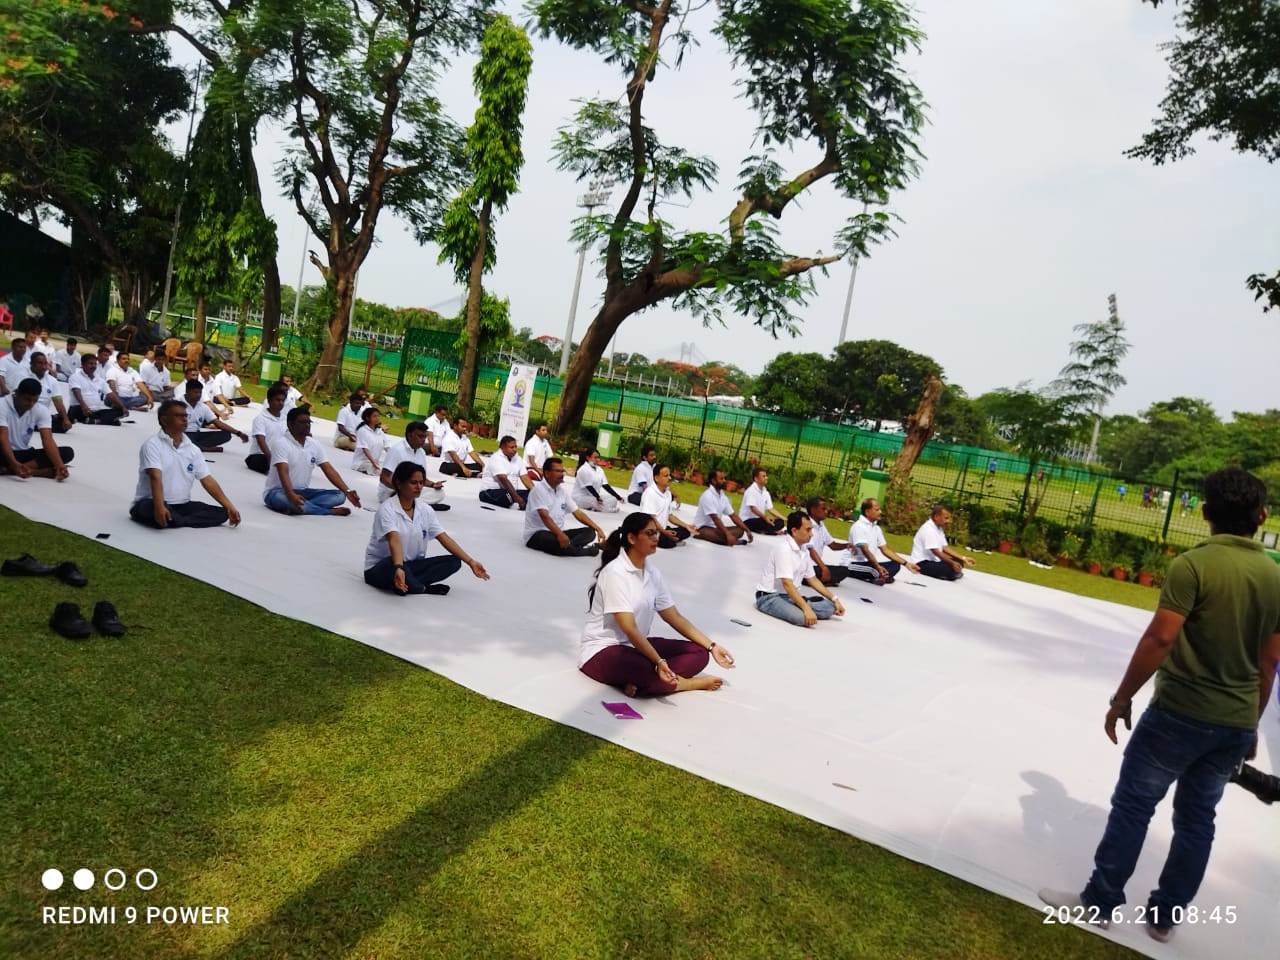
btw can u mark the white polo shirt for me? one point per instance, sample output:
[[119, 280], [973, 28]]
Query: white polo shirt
[[15, 371], [658, 503], [397, 454], [226, 384], [198, 416], [439, 429], [453, 443], [126, 381], [927, 539], [49, 389], [348, 419], [207, 383], [589, 475], [539, 449], [290, 399], [179, 468], [67, 361], [641, 477], [302, 459], [91, 390], [498, 465], [39, 346], [755, 496], [622, 588], [555, 501], [712, 503], [23, 427], [267, 424], [866, 532], [787, 561], [375, 441], [415, 532], [154, 377]]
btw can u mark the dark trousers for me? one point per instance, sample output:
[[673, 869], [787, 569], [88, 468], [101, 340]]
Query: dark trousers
[[634, 498], [239, 401], [189, 514], [836, 574], [769, 528], [449, 468], [39, 458], [860, 571], [500, 497], [58, 426], [581, 541], [107, 415], [623, 665], [208, 439], [713, 534], [680, 534], [417, 573], [939, 570], [258, 463], [1165, 747]]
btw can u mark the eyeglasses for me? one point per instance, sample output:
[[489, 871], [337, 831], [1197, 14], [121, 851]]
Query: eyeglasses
[[651, 532]]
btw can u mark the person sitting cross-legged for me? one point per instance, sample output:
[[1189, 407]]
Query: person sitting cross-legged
[[128, 384], [929, 550], [870, 558], [642, 475], [628, 590], [456, 450], [835, 573], [210, 397], [438, 427], [266, 427], [549, 505], [22, 418], [15, 366], [295, 397], [591, 489], [50, 393], [412, 449], [200, 416], [788, 566], [67, 360], [294, 458], [92, 400], [657, 503], [504, 483], [371, 442], [396, 557], [348, 422], [716, 521], [756, 508], [155, 374], [226, 387], [537, 451], [168, 465]]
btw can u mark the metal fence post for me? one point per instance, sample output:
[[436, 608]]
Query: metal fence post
[[795, 454], [1168, 514], [546, 392], [622, 396], [706, 406], [1026, 491], [1093, 504]]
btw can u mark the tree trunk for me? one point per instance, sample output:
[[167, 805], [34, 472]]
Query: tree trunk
[[475, 296], [237, 351], [577, 382], [919, 430], [197, 331], [270, 269], [329, 370]]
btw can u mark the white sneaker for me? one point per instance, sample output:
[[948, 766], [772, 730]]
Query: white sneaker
[[1071, 902]]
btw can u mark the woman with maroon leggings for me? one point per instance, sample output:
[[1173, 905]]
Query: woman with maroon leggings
[[628, 591]]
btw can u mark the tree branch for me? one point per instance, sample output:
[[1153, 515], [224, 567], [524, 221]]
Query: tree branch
[[202, 48], [774, 203]]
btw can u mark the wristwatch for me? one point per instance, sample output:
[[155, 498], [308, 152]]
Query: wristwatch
[[1117, 700]]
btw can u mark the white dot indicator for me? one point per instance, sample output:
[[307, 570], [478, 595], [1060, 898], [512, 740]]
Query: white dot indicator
[[51, 879], [83, 878]]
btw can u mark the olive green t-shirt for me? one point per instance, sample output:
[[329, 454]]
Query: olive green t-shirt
[[1229, 591]]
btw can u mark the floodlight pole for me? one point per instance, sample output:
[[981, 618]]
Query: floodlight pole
[[594, 197], [848, 300]]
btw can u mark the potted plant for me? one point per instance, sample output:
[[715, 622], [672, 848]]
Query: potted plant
[[1069, 550], [731, 486], [1119, 569], [1096, 554], [1004, 536], [1153, 565]]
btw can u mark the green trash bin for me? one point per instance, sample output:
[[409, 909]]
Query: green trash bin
[[609, 440], [872, 484], [419, 400], [272, 367]]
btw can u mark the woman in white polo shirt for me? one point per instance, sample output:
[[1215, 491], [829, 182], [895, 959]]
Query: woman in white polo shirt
[[396, 557], [591, 490], [371, 442], [616, 647]]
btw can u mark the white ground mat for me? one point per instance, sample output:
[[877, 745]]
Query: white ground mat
[[957, 724]]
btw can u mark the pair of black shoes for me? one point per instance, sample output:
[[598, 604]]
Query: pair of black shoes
[[68, 621], [28, 566]]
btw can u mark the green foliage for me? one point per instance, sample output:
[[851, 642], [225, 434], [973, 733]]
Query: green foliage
[[958, 419], [1038, 425], [1091, 378], [792, 384], [1071, 546], [877, 380], [1184, 431], [495, 325]]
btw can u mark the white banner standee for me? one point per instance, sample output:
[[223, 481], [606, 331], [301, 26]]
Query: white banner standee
[[516, 399]]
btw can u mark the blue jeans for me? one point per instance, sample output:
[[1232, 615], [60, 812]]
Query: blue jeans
[[315, 502], [779, 605], [1165, 747]]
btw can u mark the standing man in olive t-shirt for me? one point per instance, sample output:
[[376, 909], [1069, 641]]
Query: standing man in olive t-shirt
[[1213, 645]]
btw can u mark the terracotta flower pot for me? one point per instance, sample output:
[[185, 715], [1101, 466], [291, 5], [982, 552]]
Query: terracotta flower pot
[[1064, 561], [1095, 569], [1005, 546], [697, 478], [731, 486], [1146, 579], [1120, 573]]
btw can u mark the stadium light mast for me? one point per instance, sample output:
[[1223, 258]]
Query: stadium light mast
[[595, 196]]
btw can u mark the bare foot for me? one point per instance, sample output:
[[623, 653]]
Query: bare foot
[[629, 690], [703, 681], [341, 511]]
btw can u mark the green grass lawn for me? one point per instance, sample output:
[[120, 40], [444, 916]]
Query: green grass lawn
[[340, 802]]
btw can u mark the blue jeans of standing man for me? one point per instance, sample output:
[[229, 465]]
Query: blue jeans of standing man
[[315, 502], [779, 605], [1165, 747]]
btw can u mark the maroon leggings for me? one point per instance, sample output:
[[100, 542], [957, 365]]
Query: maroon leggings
[[622, 664]]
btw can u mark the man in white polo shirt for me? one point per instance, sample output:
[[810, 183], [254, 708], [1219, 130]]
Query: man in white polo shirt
[[294, 458], [756, 508], [168, 465], [457, 450], [226, 387], [67, 360], [295, 397], [155, 374], [788, 566], [549, 506], [438, 425], [830, 574], [22, 418], [537, 451], [200, 416], [348, 422], [870, 558], [92, 399], [657, 502], [266, 427], [642, 475], [14, 366], [411, 449], [929, 550], [128, 385], [715, 520], [50, 393], [503, 483]]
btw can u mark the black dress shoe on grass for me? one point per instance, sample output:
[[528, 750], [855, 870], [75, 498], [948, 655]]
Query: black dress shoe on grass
[[106, 620], [25, 566], [70, 574], [67, 621]]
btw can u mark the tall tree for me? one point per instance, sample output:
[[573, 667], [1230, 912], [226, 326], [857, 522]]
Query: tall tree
[[877, 380], [1038, 424], [1224, 83], [501, 80], [1091, 378], [792, 384], [824, 74], [369, 134]]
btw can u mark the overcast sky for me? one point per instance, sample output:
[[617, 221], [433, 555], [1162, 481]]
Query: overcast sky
[[1025, 216]]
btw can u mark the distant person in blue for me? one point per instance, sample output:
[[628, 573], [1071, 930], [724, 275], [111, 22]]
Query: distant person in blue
[[991, 467], [1122, 490]]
